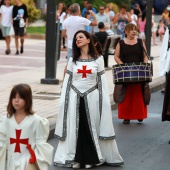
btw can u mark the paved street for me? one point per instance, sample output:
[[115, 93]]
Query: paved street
[[29, 67], [143, 146]]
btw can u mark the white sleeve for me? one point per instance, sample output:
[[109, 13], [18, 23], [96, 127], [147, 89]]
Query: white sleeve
[[64, 100], [106, 132], [70, 64], [64, 24], [85, 21], [2, 144], [43, 150], [136, 17]]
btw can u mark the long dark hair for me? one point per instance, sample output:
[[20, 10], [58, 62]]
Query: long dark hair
[[1, 3], [76, 50], [97, 44], [24, 91], [63, 10], [143, 15]]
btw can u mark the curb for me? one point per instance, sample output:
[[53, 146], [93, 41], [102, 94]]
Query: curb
[[155, 85], [35, 36]]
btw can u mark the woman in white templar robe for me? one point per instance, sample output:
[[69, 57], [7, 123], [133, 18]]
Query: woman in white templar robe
[[164, 66], [14, 138], [84, 124]]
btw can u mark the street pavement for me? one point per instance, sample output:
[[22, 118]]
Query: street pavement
[[143, 146], [29, 67]]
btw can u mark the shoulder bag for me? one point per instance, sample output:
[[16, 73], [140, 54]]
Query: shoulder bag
[[145, 87]]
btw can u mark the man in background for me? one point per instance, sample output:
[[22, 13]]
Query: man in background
[[86, 3]]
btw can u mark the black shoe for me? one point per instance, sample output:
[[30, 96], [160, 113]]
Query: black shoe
[[163, 91], [7, 52], [140, 120], [17, 53], [22, 49], [126, 122]]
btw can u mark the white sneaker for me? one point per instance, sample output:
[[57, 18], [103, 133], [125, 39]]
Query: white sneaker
[[76, 166], [99, 163], [88, 166]]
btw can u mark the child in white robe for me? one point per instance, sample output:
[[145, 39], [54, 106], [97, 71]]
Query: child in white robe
[[23, 134]]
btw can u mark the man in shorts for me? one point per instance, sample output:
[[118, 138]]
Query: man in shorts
[[20, 21]]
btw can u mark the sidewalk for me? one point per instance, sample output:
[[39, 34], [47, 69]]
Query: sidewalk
[[29, 67]]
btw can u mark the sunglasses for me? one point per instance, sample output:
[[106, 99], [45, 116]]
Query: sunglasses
[[101, 9]]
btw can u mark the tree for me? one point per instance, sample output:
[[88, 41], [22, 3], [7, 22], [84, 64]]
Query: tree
[[97, 3]]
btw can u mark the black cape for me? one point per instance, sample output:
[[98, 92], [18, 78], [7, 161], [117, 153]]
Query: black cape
[[166, 103]]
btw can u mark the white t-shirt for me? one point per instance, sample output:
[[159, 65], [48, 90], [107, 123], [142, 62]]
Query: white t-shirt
[[6, 13], [111, 14], [62, 17], [134, 19], [72, 24]]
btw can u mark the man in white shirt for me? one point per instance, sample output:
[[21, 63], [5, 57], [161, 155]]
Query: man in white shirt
[[74, 23]]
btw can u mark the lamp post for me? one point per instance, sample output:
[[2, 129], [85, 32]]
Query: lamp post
[[50, 58], [148, 25]]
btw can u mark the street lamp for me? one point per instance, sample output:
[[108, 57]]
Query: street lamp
[[50, 60], [148, 25]]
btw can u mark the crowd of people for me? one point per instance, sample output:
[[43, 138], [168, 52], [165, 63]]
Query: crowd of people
[[116, 22], [84, 124]]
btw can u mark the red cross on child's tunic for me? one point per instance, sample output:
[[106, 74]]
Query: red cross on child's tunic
[[18, 141], [84, 71]]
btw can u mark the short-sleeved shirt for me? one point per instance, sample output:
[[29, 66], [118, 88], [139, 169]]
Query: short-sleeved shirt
[[18, 13], [142, 25], [85, 9], [6, 13], [72, 24], [101, 18], [101, 36]]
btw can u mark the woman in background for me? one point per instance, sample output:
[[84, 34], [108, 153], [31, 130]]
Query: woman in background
[[127, 51], [6, 17], [142, 25]]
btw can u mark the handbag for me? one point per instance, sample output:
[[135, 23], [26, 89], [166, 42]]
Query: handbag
[[119, 93], [146, 93]]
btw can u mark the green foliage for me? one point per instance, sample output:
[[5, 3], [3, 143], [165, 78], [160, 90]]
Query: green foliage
[[119, 2], [98, 3], [114, 7], [36, 30], [33, 12]]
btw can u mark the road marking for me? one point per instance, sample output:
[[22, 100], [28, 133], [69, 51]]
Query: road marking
[[18, 67], [22, 57]]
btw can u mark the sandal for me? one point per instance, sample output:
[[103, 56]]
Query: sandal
[[126, 122]]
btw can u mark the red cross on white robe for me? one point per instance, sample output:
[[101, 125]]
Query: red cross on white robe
[[18, 141], [84, 71]]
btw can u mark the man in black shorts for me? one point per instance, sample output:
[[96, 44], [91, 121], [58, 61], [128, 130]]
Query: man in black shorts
[[20, 21]]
